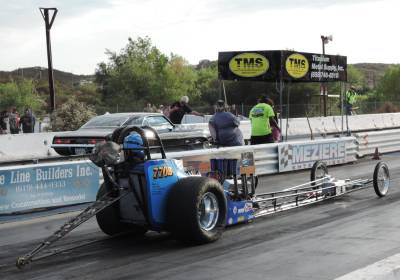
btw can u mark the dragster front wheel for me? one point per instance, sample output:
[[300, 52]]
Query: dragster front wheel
[[381, 179], [109, 219], [318, 171]]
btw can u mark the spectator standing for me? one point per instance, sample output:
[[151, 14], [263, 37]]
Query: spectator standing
[[224, 127], [3, 123], [166, 110], [233, 110], [179, 109], [148, 108], [28, 121], [350, 100], [276, 131], [261, 115], [13, 120]]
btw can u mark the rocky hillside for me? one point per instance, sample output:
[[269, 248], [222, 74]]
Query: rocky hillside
[[40, 73]]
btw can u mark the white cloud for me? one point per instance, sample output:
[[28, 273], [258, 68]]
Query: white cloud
[[362, 30]]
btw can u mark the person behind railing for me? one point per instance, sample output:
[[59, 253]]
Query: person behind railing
[[224, 127], [179, 109], [149, 108], [261, 115], [276, 131], [350, 100], [3, 122], [28, 121], [13, 120]]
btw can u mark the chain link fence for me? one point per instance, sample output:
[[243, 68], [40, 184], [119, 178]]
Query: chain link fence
[[312, 109]]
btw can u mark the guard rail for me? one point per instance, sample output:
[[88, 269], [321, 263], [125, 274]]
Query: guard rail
[[371, 142], [38, 145]]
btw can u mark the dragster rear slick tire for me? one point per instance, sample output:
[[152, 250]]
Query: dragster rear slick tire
[[109, 219], [186, 206], [381, 169]]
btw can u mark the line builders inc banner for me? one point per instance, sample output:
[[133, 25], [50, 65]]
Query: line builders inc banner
[[47, 185]]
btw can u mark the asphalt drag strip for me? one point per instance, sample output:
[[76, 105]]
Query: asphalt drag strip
[[322, 241]]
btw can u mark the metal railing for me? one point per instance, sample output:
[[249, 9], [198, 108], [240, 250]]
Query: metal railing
[[381, 141], [265, 156]]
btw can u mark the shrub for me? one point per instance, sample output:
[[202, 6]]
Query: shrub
[[388, 107], [72, 115]]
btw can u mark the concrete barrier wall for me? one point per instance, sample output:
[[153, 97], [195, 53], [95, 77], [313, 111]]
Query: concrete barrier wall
[[38, 145], [15, 147], [322, 126]]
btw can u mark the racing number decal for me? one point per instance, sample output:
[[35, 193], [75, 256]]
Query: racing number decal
[[162, 172]]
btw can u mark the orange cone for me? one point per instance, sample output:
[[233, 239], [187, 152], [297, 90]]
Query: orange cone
[[376, 156]]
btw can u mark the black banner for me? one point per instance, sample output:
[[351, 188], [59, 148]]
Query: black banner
[[311, 67], [249, 65], [286, 65]]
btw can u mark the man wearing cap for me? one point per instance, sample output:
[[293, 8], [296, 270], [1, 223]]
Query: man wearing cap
[[224, 127], [261, 116], [179, 109]]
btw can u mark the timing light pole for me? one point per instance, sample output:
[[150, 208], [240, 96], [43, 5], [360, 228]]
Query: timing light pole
[[48, 20], [325, 40]]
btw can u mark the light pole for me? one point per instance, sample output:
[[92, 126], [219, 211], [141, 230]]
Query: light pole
[[325, 40], [49, 20]]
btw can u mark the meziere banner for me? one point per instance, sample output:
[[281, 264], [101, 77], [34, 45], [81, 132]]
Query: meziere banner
[[297, 156], [289, 66]]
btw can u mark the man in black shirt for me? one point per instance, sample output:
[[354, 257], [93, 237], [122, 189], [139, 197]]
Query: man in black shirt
[[179, 109], [28, 121]]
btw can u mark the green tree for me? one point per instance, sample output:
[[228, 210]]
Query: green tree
[[89, 94], [207, 83], [355, 78], [134, 76], [71, 115], [389, 86], [180, 80], [140, 73], [20, 94]]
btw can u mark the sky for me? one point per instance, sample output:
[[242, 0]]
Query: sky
[[362, 30]]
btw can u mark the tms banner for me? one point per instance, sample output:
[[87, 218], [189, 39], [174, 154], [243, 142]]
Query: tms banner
[[288, 66], [47, 185], [250, 65]]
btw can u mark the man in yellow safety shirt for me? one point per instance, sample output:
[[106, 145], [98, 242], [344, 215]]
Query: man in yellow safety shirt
[[350, 100], [260, 116]]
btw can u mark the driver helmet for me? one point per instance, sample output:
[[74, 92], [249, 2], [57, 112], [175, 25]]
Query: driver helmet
[[133, 147]]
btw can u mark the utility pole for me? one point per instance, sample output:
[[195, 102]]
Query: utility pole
[[49, 20], [325, 40]]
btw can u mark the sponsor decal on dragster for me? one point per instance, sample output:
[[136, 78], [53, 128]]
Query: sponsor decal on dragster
[[161, 175], [239, 211], [162, 172]]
